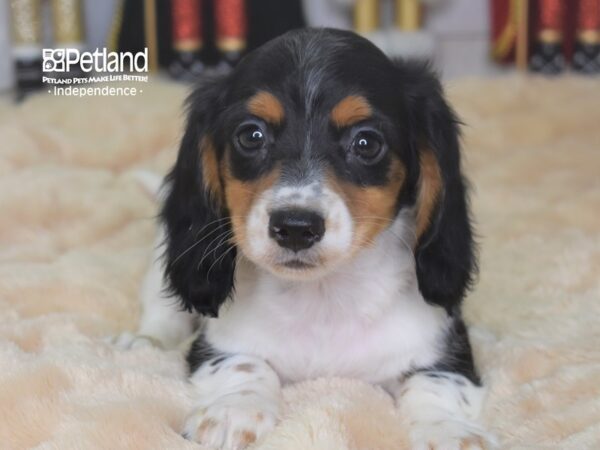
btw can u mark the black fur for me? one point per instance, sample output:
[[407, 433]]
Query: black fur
[[410, 111], [201, 352], [445, 255], [458, 357], [199, 264]]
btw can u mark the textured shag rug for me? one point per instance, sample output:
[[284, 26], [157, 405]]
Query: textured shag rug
[[76, 231]]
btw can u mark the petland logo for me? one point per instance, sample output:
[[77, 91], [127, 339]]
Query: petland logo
[[65, 67]]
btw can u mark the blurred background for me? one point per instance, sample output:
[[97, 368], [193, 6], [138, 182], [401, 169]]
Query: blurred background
[[77, 221], [188, 37]]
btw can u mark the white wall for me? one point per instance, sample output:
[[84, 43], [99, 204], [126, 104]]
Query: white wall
[[6, 71], [461, 30]]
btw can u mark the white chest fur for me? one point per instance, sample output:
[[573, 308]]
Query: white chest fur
[[366, 320]]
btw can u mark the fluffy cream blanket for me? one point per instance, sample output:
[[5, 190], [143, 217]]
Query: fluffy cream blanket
[[76, 231]]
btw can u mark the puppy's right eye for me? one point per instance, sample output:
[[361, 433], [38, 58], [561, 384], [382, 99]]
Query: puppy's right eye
[[251, 138]]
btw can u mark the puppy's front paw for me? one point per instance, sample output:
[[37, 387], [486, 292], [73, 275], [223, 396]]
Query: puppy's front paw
[[229, 425], [450, 435]]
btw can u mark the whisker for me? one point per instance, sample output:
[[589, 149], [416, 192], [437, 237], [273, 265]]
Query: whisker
[[220, 258], [224, 239], [197, 243], [209, 224]]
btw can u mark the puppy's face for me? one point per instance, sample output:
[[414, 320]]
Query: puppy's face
[[302, 156], [310, 156]]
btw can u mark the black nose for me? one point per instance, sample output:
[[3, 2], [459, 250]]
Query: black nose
[[296, 229]]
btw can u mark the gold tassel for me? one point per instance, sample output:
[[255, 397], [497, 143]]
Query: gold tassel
[[67, 22], [115, 28], [514, 30], [408, 15], [366, 15], [150, 33], [27, 26]]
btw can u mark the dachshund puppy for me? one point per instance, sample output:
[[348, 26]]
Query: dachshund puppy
[[316, 224]]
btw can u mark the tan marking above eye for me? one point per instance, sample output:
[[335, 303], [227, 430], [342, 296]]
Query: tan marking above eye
[[266, 106], [430, 187], [351, 110]]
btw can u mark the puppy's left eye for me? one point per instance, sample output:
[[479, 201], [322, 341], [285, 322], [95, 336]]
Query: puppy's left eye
[[250, 138], [367, 145]]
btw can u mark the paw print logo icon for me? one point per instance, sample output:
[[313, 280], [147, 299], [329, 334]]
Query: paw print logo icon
[[53, 60]]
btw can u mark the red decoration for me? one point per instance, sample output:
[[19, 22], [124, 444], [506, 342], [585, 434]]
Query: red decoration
[[230, 19], [551, 14], [589, 15], [187, 32], [564, 18]]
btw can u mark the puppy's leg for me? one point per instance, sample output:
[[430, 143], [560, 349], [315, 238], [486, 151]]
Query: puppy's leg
[[162, 323], [441, 409], [442, 404], [237, 398]]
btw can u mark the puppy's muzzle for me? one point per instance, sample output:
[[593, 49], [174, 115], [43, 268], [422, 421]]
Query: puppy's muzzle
[[296, 229]]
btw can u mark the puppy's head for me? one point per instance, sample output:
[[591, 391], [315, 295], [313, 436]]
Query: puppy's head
[[302, 156]]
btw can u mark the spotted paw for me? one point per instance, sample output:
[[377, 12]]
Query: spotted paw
[[450, 435], [230, 426]]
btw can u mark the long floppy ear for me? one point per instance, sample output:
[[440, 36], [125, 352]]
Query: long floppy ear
[[199, 256], [445, 251]]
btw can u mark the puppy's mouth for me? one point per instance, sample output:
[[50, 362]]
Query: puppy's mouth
[[298, 264]]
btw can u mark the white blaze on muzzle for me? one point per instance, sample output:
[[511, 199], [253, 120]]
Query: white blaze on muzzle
[[314, 198]]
